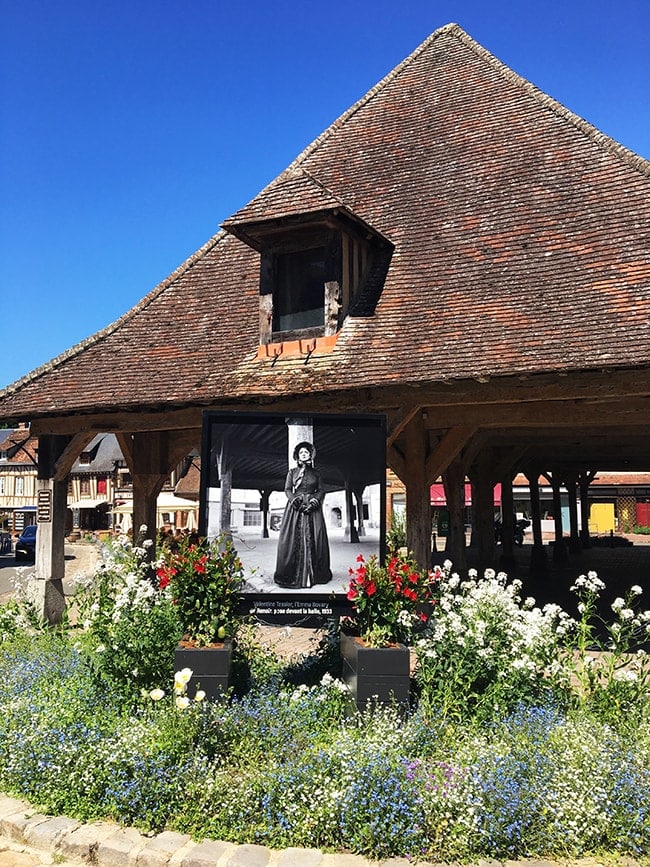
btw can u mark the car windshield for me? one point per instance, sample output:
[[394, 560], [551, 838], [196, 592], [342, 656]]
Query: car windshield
[[30, 531]]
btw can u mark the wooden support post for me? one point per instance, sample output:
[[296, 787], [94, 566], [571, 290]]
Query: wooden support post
[[51, 502], [483, 509], [560, 553], [507, 558], [585, 478], [454, 481], [150, 463], [538, 558], [571, 484], [418, 494]]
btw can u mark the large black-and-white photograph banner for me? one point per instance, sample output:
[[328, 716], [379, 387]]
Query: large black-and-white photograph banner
[[301, 497]]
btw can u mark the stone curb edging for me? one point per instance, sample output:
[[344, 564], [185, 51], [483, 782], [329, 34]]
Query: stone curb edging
[[107, 844]]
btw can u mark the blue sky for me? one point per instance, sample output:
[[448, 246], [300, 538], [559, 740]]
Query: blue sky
[[129, 129]]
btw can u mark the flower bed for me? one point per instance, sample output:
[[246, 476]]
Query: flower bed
[[517, 744]]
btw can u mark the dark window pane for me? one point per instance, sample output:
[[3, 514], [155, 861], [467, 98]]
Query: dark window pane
[[299, 299]]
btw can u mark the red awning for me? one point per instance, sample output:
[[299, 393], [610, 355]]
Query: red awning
[[438, 495]]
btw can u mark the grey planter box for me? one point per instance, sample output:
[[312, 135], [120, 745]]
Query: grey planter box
[[210, 667], [379, 675]]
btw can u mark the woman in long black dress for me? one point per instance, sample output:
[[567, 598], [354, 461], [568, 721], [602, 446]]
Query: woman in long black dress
[[303, 557]]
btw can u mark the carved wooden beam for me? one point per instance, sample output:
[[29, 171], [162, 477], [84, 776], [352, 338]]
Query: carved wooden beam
[[70, 454], [449, 448]]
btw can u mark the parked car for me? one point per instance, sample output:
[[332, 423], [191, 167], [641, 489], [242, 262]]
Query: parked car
[[26, 544]]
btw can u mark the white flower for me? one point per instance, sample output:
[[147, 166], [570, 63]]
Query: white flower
[[181, 679], [182, 702], [100, 648], [627, 676], [618, 604], [199, 695], [636, 590], [157, 694], [627, 614]]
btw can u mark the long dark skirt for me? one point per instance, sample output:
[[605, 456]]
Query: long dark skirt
[[303, 550]]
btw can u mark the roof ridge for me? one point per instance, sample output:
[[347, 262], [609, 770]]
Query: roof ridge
[[336, 124], [600, 138], [98, 336], [596, 135]]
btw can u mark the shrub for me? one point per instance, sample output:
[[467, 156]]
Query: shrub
[[486, 650], [205, 580], [130, 626]]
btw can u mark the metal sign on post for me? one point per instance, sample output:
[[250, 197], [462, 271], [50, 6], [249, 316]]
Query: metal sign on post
[[44, 507]]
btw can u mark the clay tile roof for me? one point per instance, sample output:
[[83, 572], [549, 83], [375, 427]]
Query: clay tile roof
[[294, 192], [21, 447], [520, 245]]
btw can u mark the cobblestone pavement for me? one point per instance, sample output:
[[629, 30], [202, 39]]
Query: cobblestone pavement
[[30, 839]]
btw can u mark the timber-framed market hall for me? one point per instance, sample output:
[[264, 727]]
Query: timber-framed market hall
[[458, 252]]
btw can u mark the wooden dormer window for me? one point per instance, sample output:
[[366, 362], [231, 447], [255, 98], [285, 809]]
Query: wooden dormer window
[[313, 270], [309, 276]]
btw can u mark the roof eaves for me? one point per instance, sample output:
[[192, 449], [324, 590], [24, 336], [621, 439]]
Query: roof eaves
[[98, 336]]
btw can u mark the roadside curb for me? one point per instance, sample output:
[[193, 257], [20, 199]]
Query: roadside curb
[[107, 844]]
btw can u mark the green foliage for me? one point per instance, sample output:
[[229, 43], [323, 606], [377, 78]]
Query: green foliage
[[130, 626], [205, 580], [396, 533], [391, 601], [518, 747], [607, 662], [485, 650], [13, 621]]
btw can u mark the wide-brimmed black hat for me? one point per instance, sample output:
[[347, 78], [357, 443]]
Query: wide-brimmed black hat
[[304, 445]]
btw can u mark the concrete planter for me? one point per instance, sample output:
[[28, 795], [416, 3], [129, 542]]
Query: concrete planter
[[379, 675], [210, 666]]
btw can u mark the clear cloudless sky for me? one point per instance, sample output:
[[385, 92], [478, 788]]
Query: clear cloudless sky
[[129, 129]]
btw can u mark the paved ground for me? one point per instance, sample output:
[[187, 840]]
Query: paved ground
[[29, 839]]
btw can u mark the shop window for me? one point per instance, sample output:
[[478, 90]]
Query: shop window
[[20, 486]]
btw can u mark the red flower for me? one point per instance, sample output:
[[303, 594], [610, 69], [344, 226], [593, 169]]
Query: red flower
[[370, 588], [352, 594], [360, 558]]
